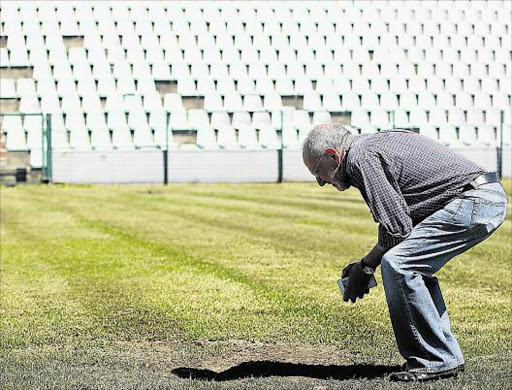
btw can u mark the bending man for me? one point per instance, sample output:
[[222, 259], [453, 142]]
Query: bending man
[[431, 204]]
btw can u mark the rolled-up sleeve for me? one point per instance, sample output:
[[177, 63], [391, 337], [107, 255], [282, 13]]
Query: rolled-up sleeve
[[385, 200]]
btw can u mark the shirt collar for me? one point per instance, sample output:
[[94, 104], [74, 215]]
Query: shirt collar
[[348, 142], [345, 149]]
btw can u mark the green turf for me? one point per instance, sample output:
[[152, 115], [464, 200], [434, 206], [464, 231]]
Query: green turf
[[116, 286]]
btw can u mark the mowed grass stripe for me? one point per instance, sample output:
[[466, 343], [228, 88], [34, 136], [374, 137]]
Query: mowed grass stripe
[[33, 295], [498, 247], [472, 268], [282, 307], [499, 243], [99, 292], [281, 298], [239, 221], [84, 269], [256, 314], [339, 235], [343, 219]]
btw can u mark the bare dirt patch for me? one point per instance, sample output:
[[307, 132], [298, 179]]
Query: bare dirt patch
[[233, 353]]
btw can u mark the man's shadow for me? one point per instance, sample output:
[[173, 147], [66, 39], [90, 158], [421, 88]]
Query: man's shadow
[[269, 368]]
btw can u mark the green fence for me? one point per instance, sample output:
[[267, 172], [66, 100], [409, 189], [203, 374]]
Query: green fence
[[47, 171], [10, 127]]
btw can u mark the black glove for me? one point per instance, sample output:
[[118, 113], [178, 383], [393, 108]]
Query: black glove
[[358, 280]]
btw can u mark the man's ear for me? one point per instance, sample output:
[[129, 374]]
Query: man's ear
[[333, 152]]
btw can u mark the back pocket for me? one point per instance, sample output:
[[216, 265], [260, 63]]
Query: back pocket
[[464, 213], [491, 215]]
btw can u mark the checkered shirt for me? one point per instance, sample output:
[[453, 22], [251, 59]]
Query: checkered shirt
[[404, 177]]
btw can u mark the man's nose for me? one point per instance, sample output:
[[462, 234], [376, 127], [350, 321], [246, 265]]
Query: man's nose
[[320, 181]]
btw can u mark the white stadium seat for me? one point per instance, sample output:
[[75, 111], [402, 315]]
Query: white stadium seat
[[284, 86], [247, 137], [487, 135], [369, 101], [312, 102], [456, 116], [220, 119], [158, 120], [438, 116], [233, 102], [253, 103], [399, 118], [467, 134], [8, 89], [380, 119], [502, 101], [198, 118], [321, 117], [418, 117], [100, 138], [475, 117], [445, 100], [408, 100], [178, 120], [206, 138], [16, 137], [121, 138], [227, 137], [301, 120], [483, 101], [360, 118], [448, 135]]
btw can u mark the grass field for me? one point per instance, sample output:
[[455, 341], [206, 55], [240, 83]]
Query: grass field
[[217, 286]]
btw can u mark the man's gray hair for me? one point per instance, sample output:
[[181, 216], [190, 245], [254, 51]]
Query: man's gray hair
[[323, 137]]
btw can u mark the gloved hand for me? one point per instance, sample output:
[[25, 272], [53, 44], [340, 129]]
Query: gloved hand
[[358, 280]]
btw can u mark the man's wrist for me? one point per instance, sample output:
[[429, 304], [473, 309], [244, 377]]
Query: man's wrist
[[364, 264], [374, 258], [367, 269]]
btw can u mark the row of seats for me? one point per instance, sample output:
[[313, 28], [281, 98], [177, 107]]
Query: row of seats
[[189, 86], [70, 100], [242, 133], [174, 39], [189, 53], [453, 77], [195, 119], [169, 35], [406, 11], [424, 35], [304, 62]]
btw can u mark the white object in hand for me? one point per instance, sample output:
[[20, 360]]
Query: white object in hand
[[342, 284]]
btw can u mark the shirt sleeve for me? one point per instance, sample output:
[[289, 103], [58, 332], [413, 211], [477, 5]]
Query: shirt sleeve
[[385, 200]]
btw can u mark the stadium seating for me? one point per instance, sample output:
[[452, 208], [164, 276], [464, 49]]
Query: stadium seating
[[138, 64]]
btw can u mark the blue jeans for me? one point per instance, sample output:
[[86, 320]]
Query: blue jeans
[[417, 309]]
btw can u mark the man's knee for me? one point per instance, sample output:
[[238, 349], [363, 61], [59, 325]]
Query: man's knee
[[390, 263]]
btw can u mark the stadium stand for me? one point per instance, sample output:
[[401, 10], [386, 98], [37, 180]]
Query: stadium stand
[[118, 75]]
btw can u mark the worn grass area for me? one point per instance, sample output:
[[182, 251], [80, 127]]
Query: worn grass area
[[120, 286]]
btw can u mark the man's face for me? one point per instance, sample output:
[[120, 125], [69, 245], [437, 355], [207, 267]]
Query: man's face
[[327, 169]]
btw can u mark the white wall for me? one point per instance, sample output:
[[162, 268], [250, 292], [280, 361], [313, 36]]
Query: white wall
[[488, 158], [141, 166], [293, 167], [223, 166], [108, 167]]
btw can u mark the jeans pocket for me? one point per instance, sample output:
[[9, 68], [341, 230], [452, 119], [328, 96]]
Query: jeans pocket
[[464, 213], [490, 215]]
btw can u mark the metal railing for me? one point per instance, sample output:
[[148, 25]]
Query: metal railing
[[46, 166]]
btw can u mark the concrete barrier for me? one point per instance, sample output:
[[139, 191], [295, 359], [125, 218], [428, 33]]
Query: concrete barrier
[[146, 166]]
